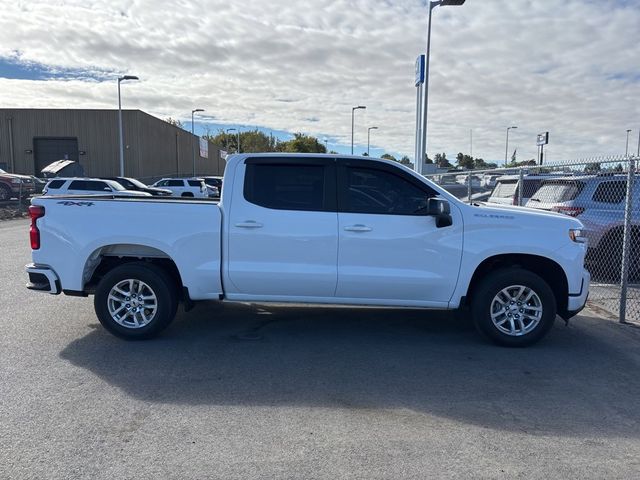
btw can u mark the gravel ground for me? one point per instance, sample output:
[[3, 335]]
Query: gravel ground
[[242, 391]]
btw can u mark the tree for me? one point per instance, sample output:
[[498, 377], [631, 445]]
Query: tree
[[441, 160], [388, 156], [406, 161], [427, 159], [465, 161], [524, 163], [252, 141], [301, 143], [175, 122]]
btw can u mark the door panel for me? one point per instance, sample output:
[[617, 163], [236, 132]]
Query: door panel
[[388, 248], [283, 229]]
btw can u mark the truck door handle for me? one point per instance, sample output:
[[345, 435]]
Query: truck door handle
[[358, 228], [249, 224]]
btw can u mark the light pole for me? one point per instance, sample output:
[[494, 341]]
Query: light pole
[[506, 148], [425, 97], [353, 111], [121, 79], [193, 148], [626, 149], [326, 145], [369, 138], [235, 130]]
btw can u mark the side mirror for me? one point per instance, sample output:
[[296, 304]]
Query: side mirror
[[441, 210]]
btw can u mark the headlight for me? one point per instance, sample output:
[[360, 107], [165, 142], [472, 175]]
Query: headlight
[[577, 235], [16, 180]]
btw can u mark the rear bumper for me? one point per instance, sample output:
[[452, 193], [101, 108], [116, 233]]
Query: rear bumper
[[578, 300], [43, 279]]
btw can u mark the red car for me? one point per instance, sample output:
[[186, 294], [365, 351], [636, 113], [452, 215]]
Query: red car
[[14, 186]]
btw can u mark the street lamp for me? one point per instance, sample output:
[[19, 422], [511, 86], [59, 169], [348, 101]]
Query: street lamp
[[193, 148], [425, 102], [326, 145], [369, 138], [122, 79], [626, 149], [353, 111], [506, 148], [235, 130]]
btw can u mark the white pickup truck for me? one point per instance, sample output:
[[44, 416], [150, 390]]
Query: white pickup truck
[[311, 229]]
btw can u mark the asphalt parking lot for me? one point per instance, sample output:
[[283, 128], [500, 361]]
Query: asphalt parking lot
[[241, 391]]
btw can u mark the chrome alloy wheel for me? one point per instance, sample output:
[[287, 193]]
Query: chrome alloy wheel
[[516, 310], [132, 303]]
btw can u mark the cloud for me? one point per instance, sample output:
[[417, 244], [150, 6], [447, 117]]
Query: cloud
[[568, 67]]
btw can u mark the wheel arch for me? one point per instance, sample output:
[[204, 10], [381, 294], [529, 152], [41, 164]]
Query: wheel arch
[[549, 270], [107, 257]]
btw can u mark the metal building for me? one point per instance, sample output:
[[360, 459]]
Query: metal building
[[30, 139]]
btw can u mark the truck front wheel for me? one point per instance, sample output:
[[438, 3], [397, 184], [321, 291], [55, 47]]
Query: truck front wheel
[[513, 307], [136, 301]]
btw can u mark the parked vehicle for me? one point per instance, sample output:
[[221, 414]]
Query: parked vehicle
[[38, 183], [489, 180], [507, 188], [88, 186], [214, 182], [314, 229], [15, 186], [136, 185], [184, 187], [599, 202]]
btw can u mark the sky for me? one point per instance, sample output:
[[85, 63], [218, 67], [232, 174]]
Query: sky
[[569, 67]]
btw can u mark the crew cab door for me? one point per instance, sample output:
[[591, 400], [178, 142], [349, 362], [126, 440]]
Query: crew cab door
[[282, 228], [389, 250]]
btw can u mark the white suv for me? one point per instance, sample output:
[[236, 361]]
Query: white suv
[[88, 186], [184, 187]]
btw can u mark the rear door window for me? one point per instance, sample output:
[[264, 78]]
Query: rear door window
[[286, 186], [195, 183], [175, 183], [611, 192]]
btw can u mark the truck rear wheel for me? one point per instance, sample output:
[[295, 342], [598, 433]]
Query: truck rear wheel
[[513, 307], [136, 301]]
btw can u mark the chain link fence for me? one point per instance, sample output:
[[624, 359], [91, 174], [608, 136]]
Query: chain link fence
[[603, 193]]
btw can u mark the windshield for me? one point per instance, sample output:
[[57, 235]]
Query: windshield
[[505, 189], [116, 185], [137, 183], [2, 171], [556, 192]]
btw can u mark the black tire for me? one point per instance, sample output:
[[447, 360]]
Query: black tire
[[482, 302], [5, 193], [157, 281], [187, 194]]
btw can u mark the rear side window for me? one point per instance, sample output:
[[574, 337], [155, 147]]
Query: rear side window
[[55, 184], [175, 183], [380, 192], [611, 192], [505, 189], [558, 191], [286, 186], [194, 183], [89, 185]]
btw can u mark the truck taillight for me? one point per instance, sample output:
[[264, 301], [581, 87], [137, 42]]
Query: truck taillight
[[571, 211], [35, 212]]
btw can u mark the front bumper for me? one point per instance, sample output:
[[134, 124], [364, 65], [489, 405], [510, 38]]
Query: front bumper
[[578, 300], [43, 279]]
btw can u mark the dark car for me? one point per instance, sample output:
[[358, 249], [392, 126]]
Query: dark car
[[138, 186]]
